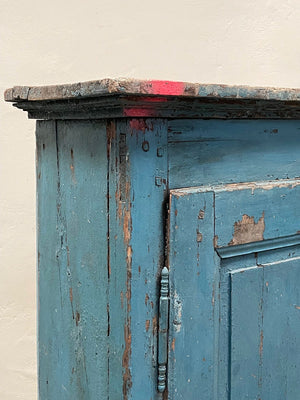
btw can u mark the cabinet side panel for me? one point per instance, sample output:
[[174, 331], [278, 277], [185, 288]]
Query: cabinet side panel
[[49, 296], [73, 275]]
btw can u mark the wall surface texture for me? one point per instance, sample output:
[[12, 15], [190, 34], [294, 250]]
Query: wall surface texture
[[211, 41]]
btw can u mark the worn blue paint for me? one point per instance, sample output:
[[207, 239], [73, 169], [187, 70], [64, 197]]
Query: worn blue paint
[[146, 143], [253, 347], [230, 192], [137, 163], [210, 152], [193, 297], [118, 266], [265, 331], [73, 260]]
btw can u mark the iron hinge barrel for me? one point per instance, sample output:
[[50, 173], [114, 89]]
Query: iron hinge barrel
[[163, 330]]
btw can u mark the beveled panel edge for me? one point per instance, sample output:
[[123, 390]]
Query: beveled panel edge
[[259, 246]]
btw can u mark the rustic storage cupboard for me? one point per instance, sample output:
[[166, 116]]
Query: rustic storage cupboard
[[168, 240]]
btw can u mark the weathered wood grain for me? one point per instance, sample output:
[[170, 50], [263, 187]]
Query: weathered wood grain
[[73, 261], [265, 326], [193, 298], [147, 143], [119, 263], [146, 87], [244, 295], [215, 152], [136, 218], [232, 238], [51, 339]]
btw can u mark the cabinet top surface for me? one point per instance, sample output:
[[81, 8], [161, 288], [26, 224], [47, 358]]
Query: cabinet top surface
[[119, 87]]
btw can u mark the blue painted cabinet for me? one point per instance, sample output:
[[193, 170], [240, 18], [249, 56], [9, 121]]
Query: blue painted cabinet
[[168, 240]]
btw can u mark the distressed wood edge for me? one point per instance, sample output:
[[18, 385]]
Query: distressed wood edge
[[109, 86], [124, 106], [232, 187]]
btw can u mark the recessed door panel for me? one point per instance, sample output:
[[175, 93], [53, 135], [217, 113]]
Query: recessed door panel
[[234, 292]]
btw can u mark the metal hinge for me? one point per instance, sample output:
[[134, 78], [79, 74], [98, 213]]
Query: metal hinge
[[163, 330]]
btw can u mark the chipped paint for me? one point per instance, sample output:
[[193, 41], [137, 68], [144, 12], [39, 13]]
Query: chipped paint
[[77, 318], [146, 299], [247, 230], [215, 241], [123, 218], [261, 343], [199, 237], [232, 187], [201, 214], [154, 325], [147, 324], [127, 383], [127, 227], [177, 304], [71, 295], [72, 168], [111, 135], [173, 344], [68, 255], [122, 299]]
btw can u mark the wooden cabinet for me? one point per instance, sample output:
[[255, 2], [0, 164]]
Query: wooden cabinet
[[134, 176]]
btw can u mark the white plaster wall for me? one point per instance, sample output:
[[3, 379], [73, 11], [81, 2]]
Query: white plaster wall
[[253, 42]]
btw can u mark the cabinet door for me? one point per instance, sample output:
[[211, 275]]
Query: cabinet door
[[234, 261]]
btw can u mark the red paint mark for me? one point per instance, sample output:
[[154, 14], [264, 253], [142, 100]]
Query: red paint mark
[[138, 112], [140, 125], [147, 99], [155, 99], [166, 88]]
